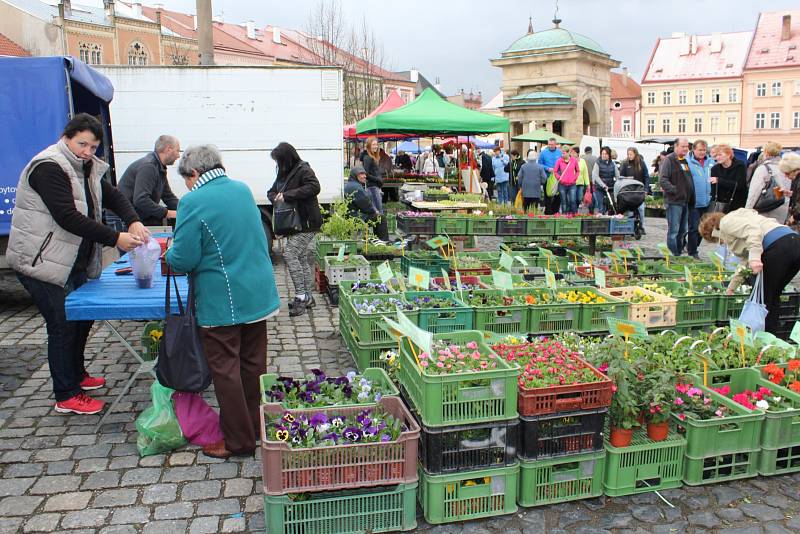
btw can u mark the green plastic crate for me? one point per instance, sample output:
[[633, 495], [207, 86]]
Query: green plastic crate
[[730, 306], [695, 310], [509, 319], [645, 465], [150, 346], [720, 467], [779, 461], [541, 227], [561, 479], [456, 318], [593, 316], [329, 247], [456, 399], [780, 428], [481, 226], [721, 435], [470, 495], [368, 327], [565, 226], [491, 259], [366, 355], [432, 262], [391, 223], [451, 225], [382, 509], [374, 374], [550, 318]]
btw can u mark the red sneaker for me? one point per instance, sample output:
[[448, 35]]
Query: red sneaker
[[81, 404], [92, 382]]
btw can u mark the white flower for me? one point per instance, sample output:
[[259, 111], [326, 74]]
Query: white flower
[[762, 405]]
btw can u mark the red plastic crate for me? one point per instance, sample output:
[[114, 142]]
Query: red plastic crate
[[287, 470], [321, 279], [569, 398], [585, 271]]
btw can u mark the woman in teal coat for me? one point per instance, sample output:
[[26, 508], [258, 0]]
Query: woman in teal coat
[[220, 242]]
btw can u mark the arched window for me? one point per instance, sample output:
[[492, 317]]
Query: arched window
[[137, 54], [90, 53]]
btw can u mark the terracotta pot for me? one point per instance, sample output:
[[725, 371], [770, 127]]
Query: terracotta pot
[[658, 431], [620, 437], [640, 418]]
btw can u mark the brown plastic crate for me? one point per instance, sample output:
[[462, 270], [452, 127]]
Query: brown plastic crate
[[568, 398], [286, 470]]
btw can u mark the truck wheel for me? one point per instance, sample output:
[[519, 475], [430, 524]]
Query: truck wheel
[[268, 233]]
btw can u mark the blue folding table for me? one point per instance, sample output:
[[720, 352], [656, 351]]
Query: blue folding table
[[115, 297]]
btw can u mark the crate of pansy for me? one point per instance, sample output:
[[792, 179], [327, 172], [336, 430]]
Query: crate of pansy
[[363, 315]]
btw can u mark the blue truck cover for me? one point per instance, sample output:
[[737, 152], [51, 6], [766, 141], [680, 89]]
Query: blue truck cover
[[38, 95]]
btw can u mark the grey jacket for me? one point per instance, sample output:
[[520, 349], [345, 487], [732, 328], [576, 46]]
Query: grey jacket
[[760, 180], [531, 178], [37, 246]]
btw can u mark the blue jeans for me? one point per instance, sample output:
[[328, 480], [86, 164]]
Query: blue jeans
[[66, 340], [641, 215], [599, 197], [694, 238], [502, 193], [580, 190], [512, 191], [677, 221], [567, 193], [376, 196]]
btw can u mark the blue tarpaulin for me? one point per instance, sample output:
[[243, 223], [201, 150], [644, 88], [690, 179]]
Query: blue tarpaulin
[[409, 147], [35, 106]]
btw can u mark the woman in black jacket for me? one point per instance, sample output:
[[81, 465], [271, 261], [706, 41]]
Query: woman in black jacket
[[372, 160], [297, 184], [729, 179]]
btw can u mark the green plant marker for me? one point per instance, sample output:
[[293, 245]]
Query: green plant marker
[[599, 277], [687, 273], [523, 262], [340, 255], [795, 335], [459, 285], [626, 329], [506, 261], [639, 252], [437, 242], [419, 278], [764, 338], [446, 280], [550, 279], [664, 249], [418, 336], [385, 272], [502, 280]]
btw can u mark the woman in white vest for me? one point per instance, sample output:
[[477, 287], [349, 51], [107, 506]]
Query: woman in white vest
[[54, 247]]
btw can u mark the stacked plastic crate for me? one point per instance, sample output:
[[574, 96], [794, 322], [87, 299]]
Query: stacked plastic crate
[[469, 431], [369, 486]]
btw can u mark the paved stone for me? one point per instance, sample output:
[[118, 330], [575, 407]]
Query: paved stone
[[615, 521], [704, 519], [104, 479], [647, 514], [762, 512], [178, 510], [119, 529], [159, 493], [68, 501], [42, 523], [119, 497], [750, 529], [141, 476], [136, 514], [237, 524], [731, 515], [195, 491], [776, 528], [15, 486], [205, 525], [165, 527], [219, 507], [48, 485], [184, 474], [91, 518], [726, 494], [238, 487]]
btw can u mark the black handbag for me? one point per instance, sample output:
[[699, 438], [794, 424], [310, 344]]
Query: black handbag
[[717, 206], [182, 363], [285, 217], [767, 199]]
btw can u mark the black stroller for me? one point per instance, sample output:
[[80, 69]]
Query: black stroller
[[629, 194]]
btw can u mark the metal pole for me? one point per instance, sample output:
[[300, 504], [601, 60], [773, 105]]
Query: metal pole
[[205, 32]]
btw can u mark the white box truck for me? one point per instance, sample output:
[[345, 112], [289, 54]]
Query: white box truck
[[244, 111]]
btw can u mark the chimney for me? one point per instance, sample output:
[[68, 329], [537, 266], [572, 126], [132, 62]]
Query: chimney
[[276, 35], [786, 28], [625, 76], [218, 18], [693, 45], [158, 9], [194, 22], [108, 7], [250, 26], [413, 75], [67, 7], [716, 43], [685, 45], [676, 35], [137, 9]]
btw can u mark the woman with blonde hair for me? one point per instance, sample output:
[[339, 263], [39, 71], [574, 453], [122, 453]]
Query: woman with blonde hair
[[768, 173], [728, 181], [372, 160], [790, 166]]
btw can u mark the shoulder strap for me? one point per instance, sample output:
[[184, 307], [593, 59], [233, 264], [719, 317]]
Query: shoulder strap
[[290, 176], [171, 275]]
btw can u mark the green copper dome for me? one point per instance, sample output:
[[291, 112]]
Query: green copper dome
[[554, 38]]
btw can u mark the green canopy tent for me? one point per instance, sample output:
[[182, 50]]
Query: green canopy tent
[[542, 136], [429, 114]]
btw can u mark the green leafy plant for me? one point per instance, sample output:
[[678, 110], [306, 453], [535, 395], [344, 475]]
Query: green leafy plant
[[341, 225]]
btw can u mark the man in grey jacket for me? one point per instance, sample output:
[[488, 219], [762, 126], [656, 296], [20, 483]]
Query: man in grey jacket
[[145, 184], [530, 179]]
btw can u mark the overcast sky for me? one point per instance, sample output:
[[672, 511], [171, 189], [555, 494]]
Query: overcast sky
[[455, 40]]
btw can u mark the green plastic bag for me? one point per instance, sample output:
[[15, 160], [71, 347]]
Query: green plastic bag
[[551, 186], [158, 426]]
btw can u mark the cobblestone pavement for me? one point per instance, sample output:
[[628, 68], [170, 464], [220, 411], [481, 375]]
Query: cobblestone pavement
[[57, 474]]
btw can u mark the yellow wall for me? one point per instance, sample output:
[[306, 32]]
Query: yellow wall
[[786, 104], [707, 110]]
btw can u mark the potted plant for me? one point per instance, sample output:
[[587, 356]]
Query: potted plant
[[659, 396], [626, 401]]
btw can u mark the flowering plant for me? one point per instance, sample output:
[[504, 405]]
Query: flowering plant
[[416, 214], [321, 430], [320, 390], [492, 299], [658, 394], [426, 302], [546, 363], [392, 364], [155, 335], [761, 399], [468, 262], [369, 288], [777, 375], [690, 401], [367, 305], [450, 358]]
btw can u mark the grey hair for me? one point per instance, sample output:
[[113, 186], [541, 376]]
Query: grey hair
[[163, 142], [200, 158]]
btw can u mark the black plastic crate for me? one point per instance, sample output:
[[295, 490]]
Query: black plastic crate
[[333, 295], [469, 447], [416, 225], [790, 304], [595, 226], [512, 226], [561, 434]]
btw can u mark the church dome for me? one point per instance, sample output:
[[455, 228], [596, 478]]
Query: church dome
[[554, 38]]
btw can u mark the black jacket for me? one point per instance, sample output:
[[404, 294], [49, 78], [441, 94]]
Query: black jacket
[[487, 172], [676, 180], [360, 204], [514, 167], [731, 184], [301, 187], [145, 185], [373, 171]]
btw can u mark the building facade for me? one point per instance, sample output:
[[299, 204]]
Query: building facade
[[626, 101], [771, 82], [693, 87]]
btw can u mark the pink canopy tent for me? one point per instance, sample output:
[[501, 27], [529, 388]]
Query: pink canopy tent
[[391, 102]]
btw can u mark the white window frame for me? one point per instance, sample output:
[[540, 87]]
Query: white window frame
[[713, 124], [796, 119], [698, 96], [716, 96], [733, 123], [775, 120], [682, 96], [777, 89], [681, 124], [761, 89], [651, 126], [651, 98], [796, 87], [666, 98], [626, 126], [733, 95], [666, 124], [698, 121], [760, 118], [138, 56]]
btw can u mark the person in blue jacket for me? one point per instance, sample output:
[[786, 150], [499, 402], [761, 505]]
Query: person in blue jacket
[[549, 156], [224, 251], [500, 167], [700, 164]]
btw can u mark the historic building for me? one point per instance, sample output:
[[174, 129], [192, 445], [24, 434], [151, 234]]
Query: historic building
[[10, 48], [692, 87], [626, 104], [771, 82], [557, 80]]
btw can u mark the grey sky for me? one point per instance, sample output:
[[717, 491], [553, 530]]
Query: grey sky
[[455, 40]]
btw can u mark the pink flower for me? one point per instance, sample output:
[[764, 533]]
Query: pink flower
[[472, 345], [439, 365], [693, 391], [460, 356], [424, 356], [682, 417], [680, 388], [706, 400], [678, 401], [718, 413], [424, 363]]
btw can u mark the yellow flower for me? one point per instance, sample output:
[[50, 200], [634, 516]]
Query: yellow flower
[[156, 335], [282, 435]]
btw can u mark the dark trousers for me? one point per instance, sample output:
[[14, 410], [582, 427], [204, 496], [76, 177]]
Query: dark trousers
[[527, 202], [237, 357], [693, 238], [66, 340], [552, 204], [781, 263]]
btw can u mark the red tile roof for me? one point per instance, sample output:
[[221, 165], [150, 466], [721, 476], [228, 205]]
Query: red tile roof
[[768, 50], [670, 61], [10, 48], [624, 88]]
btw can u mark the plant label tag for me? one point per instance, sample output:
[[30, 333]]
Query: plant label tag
[[405, 327], [438, 242], [446, 280], [385, 272], [550, 279], [521, 260], [741, 332], [687, 273], [419, 278], [506, 261], [626, 329], [664, 250], [340, 255], [502, 280], [795, 335], [623, 253], [599, 277], [639, 253]]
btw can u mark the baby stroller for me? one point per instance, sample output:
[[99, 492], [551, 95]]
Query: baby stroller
[[629, 194]]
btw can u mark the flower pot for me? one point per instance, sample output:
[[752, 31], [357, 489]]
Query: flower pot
[[640, 418], [658, 431], [620, 437]]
